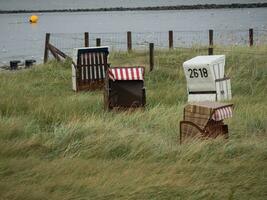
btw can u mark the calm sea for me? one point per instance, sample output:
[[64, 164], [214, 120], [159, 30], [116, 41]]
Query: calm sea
[[21, 40]]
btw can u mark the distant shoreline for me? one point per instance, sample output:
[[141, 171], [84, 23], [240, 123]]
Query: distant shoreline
[[154, 8]]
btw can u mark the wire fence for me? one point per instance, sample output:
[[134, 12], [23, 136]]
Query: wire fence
[[140, 40], [118, 41]]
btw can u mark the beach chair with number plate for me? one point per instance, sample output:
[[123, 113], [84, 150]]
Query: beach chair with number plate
[[206, 79]]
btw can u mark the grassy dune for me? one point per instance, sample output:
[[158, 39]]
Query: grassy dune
[[57, 144]]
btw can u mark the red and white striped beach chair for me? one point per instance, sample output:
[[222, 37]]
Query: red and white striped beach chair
[[124, 88], [205, 119]]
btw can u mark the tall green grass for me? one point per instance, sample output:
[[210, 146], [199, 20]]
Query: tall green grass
[[58, 144]]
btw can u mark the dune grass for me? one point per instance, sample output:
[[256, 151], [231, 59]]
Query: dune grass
[[57, 144]]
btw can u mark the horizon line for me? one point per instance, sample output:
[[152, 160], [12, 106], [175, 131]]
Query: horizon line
[[147, 8]]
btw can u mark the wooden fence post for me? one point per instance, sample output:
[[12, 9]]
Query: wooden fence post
[[151, 56], [170, 39], [86, 39], [210, 50], [251, 37], [129, 41], [98, 42], [46, 51], [211, 37]]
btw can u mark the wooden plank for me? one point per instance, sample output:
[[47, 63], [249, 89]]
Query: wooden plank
[[89, 66], [210, 37], [170, 39], [101, 55], [63, 55], [210, 50], [151, 56], [92, 66], [81, 69], [98, 42], [78, 69], [129, 41], [84, 68], [46, 51], [86, 39], [97, 65], [53, 51], [251, 37], [105, 58]]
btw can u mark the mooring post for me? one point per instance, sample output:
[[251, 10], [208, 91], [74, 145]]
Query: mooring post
[[210, 50], [251, 37], [129, 41], [14, 64], [46, 51], [98, 42], [170, 39], [86, 39], [151, 56]]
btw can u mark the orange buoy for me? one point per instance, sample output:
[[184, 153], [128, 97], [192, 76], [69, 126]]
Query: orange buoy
[[33, 19]]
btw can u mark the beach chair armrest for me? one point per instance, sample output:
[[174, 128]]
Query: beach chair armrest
[[222, 79], [189, 123]]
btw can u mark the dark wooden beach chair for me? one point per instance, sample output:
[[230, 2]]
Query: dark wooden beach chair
[[89, 68], [205, 119], [124, 88]]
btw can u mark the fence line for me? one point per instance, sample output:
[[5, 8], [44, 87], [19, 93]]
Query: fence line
[[87, 40], [170, 39], [123, 41]]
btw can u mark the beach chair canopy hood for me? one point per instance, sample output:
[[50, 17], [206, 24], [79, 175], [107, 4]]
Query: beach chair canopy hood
[[84, 55], [201, 112], [126, 74]]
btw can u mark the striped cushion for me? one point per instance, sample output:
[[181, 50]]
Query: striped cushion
[[222, 113], [126, 73]]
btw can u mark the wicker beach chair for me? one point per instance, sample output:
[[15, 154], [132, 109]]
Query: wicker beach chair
[[205, 119], [89, 68], [124, 88], [206, 79]]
